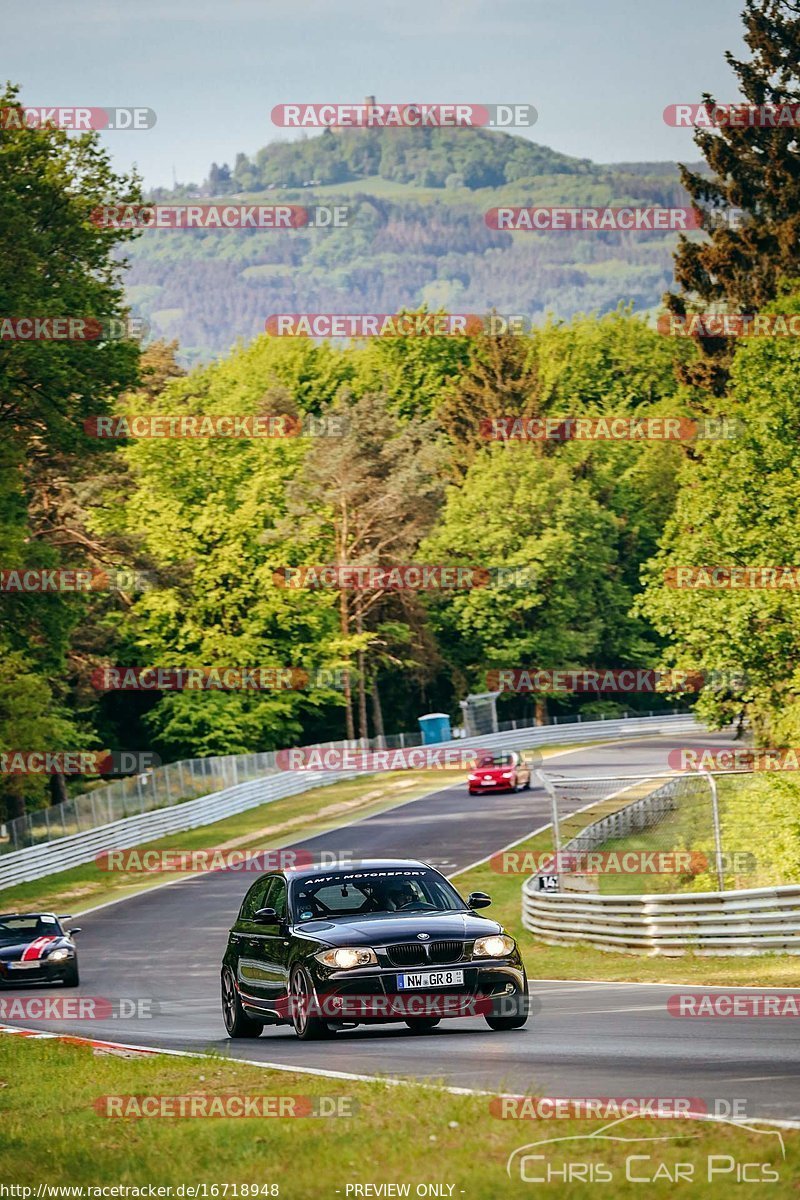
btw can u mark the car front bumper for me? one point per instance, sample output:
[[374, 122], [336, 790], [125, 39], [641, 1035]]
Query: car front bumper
[[40, 971], [374, 994]]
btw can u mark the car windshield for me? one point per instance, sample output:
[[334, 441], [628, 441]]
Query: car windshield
[[26, 928], [496, 760], [382, 890]]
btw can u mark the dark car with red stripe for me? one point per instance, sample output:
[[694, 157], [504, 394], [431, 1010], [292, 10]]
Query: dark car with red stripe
[[36, 948]]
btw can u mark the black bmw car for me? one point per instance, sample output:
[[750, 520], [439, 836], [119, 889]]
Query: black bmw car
[[35, 948], [381, 941]]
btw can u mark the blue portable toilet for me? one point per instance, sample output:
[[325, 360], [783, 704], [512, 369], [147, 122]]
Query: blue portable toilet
[[435, 728]]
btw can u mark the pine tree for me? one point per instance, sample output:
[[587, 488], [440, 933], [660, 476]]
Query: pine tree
[[500, 381], [757, 170]]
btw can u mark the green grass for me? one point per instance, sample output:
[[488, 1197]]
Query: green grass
[[760, 834], [52, 1133]]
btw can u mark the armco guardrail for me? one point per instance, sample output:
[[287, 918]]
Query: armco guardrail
[[35, 862], [744, 922], [756, 921]]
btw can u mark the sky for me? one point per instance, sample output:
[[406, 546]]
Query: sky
[[599, 73]]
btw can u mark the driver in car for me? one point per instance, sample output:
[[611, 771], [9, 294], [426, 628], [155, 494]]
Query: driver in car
[[400, 895]]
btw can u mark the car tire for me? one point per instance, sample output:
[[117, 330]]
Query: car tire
[[509, 1012], [72, 977], [306, 1026], [422, 1024], [237, 1022]]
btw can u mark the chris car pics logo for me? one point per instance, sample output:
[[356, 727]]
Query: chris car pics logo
[[650, 1159]]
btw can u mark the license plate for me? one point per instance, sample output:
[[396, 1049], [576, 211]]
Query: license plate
[[422, 979], [23, 966]]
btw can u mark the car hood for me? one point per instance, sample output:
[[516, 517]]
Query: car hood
[[40, 948], [383, 930]]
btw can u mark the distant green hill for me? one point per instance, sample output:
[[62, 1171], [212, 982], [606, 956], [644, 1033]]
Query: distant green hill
[[416, 235]]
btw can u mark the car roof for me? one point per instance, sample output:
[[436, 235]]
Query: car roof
[[4, 916], [361, 864]]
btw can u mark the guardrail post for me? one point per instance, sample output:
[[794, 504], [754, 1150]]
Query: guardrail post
[[712, 783], [551, 791]]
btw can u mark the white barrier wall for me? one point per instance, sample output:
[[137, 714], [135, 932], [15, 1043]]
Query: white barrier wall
[[756, 921]]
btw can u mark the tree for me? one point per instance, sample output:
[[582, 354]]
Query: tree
[[755, 169], [738, 506], [54, 262], [204, 512], [412, 373], [373, 493], [517, 510], [500, 380]]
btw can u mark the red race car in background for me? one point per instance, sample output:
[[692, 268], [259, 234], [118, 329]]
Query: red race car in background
[[499, 773]]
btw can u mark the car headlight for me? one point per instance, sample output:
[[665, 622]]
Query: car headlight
[[496, 945], [347, 956], [508, 775], [58, 955]]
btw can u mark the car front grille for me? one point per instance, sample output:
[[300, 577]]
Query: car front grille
[[420, 954]]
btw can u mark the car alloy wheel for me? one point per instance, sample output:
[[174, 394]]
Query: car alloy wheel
[[306, 1026], [237, 1023], [510, 1011]]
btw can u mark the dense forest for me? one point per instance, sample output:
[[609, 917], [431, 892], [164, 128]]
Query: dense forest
[[415, 236]]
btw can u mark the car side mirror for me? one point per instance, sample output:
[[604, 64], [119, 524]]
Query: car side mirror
[[478, 900], [72, 932], [266, 916]]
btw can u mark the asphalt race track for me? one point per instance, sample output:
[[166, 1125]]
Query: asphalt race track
[[583, 1039]]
